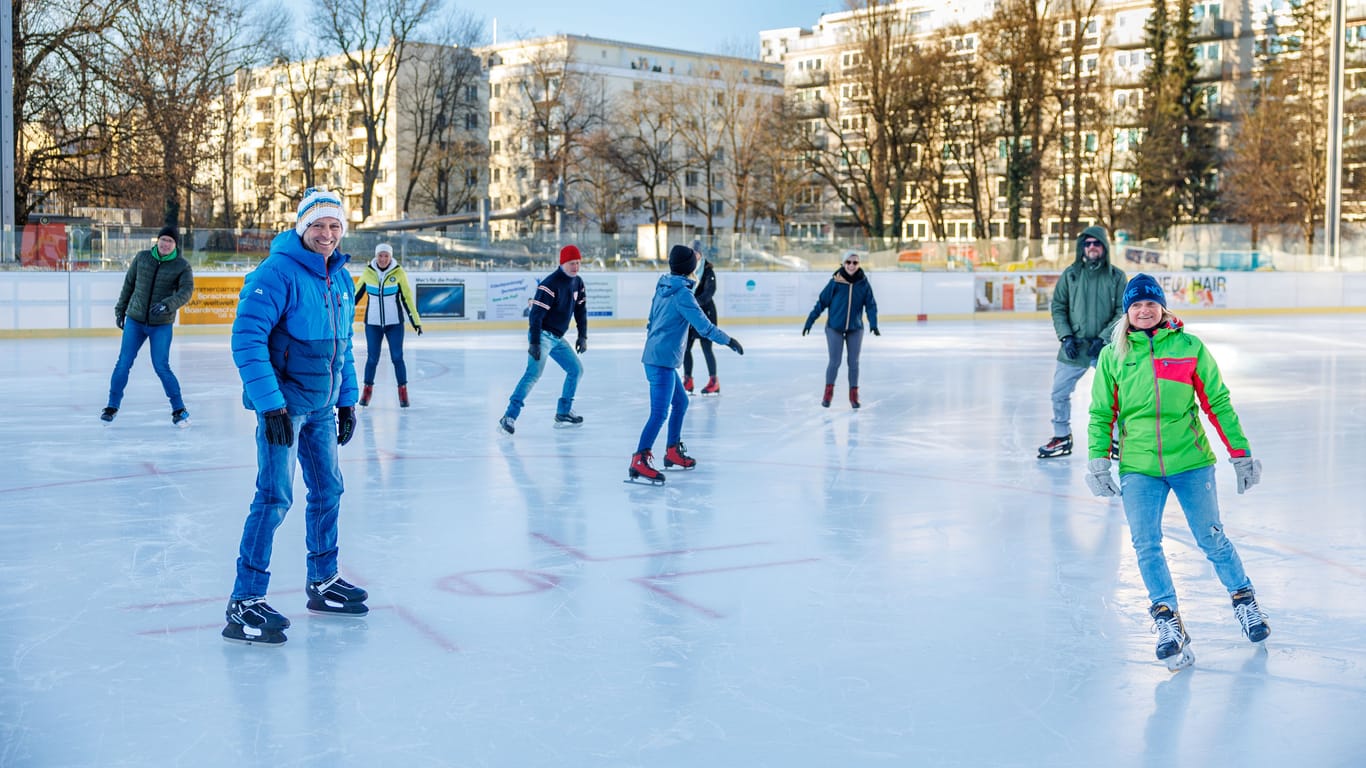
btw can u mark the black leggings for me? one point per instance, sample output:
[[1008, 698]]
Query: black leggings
[[710, 312]]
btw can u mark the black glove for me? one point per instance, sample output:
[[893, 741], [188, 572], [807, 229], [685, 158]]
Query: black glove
[[1096, 346], [581, 345], [876, 332], [535, 351], [1071, 347], [160, 309], [418, 328], [346, 423], [279, 428], [734, 344], [119, 322], [806, 329]]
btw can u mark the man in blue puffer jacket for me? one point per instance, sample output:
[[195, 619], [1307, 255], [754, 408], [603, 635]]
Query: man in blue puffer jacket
[[291, 342]]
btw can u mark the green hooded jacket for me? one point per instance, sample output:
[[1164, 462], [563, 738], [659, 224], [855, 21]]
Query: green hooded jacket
[[1156, 393], [1088, 301]]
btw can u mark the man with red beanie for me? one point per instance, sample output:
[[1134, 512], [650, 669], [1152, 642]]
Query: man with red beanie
[[558, 297]]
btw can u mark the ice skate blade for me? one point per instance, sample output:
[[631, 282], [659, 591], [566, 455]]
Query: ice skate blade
[[711, 394], [679, 467], [642, 480], [333, 608], [183, 424], [1179, 661], [1056, 455], [236, 633], [567, 425]]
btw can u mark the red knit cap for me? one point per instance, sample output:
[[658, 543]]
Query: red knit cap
[[570, 253]]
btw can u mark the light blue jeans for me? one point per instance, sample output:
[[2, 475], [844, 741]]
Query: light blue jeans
[[1144, 499], [1065, 378], [134, 334], [667, 397], [562, 352], [315, 447]]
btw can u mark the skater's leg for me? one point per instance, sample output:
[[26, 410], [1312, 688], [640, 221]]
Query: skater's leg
[[274, 495], [394, 335], [709, 356], [1065, 378], [562, 352], [662, 382], [159, 337], [678, 411], [1196, 492], [374, 334], [317, 442], [853, 343], [534, 368], [134, 333], [687, 351], [834, 345], [1144, 497]]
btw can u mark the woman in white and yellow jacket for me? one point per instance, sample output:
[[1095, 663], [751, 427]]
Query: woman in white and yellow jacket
[[390, 298]]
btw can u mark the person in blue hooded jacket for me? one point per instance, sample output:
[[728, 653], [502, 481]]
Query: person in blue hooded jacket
[[673, 310], [291, 343]]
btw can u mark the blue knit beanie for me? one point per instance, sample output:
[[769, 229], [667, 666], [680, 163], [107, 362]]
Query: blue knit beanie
[[1144, 287]]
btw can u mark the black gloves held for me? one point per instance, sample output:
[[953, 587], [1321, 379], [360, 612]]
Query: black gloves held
[[1071, 347], [279, 427], [160, 309], [581, 345], [734, 344], [535, 351], [876, 332], [119, 322], [806, 329], [346, 424], [1096, 346], [418, 328]]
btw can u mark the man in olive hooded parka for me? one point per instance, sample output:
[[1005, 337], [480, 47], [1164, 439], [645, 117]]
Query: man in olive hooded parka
[[1087, 302]]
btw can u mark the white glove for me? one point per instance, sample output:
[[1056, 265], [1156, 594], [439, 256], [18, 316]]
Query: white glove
[[1248, 471], [1100, 481]]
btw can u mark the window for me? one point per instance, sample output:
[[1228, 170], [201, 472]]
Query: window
[[471, 121], [471, 93]]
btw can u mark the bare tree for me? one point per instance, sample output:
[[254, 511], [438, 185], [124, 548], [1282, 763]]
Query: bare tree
[[1077, 103], [697, 108], [781, 179], [373, 35], [62, 123], [603, 188], [642, 149], [1264, 157], [968, 112], [745, 102]]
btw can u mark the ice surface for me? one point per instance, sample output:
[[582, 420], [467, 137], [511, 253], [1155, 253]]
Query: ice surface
[[906, 585]]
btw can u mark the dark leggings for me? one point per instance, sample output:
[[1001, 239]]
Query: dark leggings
[[374, 334], [838, 341], [707, 354]]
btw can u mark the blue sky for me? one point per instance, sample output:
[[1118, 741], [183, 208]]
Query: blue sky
[[710, 26]]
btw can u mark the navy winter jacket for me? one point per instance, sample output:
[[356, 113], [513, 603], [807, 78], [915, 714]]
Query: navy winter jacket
[[847, 297], [557, 298], [673, 310], [291, 340]]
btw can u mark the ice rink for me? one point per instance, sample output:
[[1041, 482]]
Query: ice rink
[[906, 585]]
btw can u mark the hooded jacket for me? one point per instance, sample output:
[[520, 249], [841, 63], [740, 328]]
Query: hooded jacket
[[390, 294], [1087, 302], [291, 340], [673, 310], [1155, 393], [847, 297], [150, 281]]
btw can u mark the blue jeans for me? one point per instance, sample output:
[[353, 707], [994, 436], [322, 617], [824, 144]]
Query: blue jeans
[[315, 446], [666, 390], [1144, 498], [374, 335], [562, 352], [134, 333]]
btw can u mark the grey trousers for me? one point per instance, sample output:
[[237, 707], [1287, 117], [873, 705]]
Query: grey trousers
[[1065, 378], [837, 342]]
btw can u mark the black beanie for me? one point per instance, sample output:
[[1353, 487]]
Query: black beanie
[[171, 232], [682, 260]]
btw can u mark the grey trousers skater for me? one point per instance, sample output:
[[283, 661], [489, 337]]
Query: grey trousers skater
[[836, 341]]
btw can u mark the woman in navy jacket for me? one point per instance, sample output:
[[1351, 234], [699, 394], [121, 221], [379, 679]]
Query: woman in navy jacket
[[848, 295]]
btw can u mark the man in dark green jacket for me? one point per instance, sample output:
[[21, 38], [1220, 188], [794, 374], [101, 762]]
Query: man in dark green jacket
[[159, 282], [1087, 302]]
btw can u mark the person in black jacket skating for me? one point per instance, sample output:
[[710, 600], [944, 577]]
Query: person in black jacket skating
[[559, 297], [706, 299]]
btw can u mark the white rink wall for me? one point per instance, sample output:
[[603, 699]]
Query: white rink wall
[[85, 300]]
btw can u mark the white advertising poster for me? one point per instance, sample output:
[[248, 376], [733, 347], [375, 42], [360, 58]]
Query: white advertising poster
[[1194, 290], [509, 298], [602, 294], [758, 295]]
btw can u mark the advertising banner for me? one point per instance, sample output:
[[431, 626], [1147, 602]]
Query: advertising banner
[[509, 298], [602, 294], [762, 295], [214, 301]]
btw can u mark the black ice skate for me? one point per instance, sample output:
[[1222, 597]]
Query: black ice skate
[[336, 597], [566, 420], [253, 622], [642, 470], [1058, 446], [1114, 449], [1250, 616], [108, 414], [181, 418], [677, 456], [1173, 644], [507, 425]]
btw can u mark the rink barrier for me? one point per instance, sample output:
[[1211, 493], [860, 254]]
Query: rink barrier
[[35, 304]]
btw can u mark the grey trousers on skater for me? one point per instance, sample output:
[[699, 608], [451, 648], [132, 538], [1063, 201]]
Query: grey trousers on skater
[[1065, 378], [836, 341]]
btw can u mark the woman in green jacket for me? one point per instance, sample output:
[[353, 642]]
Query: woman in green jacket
[[1151, 382], [391, 297]]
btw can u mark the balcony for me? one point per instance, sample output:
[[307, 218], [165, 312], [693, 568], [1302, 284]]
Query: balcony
[[808, 78], [809, 110], [1211, 28], [1218, 69]]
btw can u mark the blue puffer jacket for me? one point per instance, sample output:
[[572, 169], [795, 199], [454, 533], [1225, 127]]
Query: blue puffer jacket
[[848, 297], [291, 340], [674, 309]]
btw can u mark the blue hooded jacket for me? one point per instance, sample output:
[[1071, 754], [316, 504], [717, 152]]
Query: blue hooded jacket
[[291, 340], [674, 309]]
